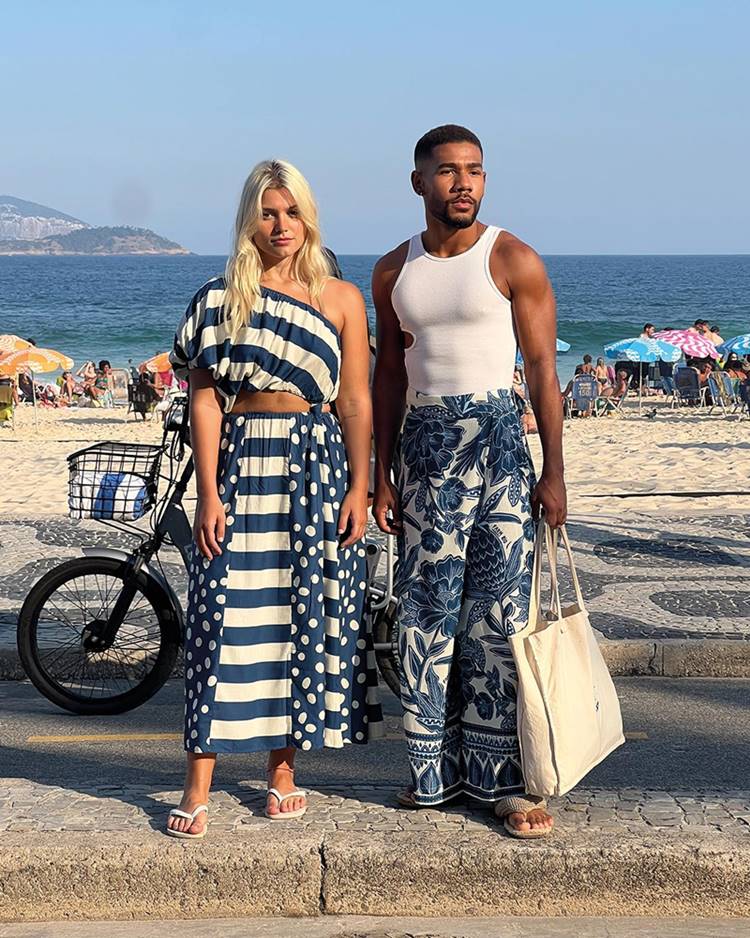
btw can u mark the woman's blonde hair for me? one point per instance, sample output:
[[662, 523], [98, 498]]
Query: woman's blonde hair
[[310, 266]]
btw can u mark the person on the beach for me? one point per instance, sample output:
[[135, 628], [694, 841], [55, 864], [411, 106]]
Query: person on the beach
[[26, 386], [648, 331], [67, 387], [105, 384], [277, 653], [604, 374], [587, 368], [449, 302], [144, 396]]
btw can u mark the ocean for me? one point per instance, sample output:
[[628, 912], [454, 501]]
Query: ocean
[[127, 307]]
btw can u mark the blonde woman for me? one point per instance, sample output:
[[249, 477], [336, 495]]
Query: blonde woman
[[276, 653]]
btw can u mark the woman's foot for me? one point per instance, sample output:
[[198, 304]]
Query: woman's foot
[[281, 777], [200, 769], [190, 801]]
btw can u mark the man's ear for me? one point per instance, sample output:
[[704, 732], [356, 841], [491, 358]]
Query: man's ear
[[416, 182]]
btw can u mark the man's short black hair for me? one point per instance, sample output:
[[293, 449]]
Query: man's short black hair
[[649, 325], [587, 359], [446, 133]]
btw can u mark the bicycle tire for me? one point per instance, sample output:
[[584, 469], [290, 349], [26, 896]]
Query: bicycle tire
[[385, 630], [165, 615]]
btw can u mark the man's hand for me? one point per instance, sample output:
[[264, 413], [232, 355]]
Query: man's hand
[[386, 510], [550, 496]]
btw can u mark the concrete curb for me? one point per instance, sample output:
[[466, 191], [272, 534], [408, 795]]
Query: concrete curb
[[286, 873], [668, 657], [672, 657]]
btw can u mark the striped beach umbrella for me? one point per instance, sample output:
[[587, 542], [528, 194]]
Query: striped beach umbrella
[[36, 360], [13, 343], [692, 344], [642, 350], [740, 345]]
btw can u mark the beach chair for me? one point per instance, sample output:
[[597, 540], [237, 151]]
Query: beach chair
[[583, 395], [667, 385], [717, 395], [730, 391], [7, 406], [743, 392], [688, 389]]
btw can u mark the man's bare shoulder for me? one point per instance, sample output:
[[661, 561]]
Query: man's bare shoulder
[[518, 258], [390, 264]]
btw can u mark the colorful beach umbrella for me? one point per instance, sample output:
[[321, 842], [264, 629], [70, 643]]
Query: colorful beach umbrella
[[642, 350], [13, 343], [159, 362], [36, 360], [740, 345], [692, 344]]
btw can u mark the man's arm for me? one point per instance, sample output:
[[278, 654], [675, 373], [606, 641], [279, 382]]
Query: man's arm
[[388, 388], [535, 320]]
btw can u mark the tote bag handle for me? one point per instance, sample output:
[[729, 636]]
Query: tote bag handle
[[548, 539], [556, 535]]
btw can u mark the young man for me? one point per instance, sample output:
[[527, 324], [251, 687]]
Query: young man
[[450, 302]]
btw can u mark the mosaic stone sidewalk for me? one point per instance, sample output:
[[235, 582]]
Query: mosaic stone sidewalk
[[27, 806], [643, 576]]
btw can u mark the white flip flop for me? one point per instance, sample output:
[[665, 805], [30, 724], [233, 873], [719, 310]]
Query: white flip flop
[[185, 835], [286, 815]]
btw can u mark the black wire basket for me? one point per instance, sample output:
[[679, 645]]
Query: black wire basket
[[113, 481]]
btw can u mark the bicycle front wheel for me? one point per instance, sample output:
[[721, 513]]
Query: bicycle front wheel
[[68, 606]]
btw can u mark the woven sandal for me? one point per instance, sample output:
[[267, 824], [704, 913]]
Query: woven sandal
[[405, 798], [521, 804], [189, 816]]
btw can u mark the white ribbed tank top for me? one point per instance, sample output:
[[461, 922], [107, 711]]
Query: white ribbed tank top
[[462, 324]]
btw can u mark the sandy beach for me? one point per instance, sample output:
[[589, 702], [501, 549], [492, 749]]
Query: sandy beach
[[673, 452]]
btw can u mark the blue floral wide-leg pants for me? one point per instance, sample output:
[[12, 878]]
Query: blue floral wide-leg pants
[[463, 582]]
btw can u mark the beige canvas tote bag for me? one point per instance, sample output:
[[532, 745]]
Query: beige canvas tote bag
[[569, 716]]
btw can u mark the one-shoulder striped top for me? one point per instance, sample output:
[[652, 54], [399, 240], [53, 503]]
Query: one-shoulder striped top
[[288, 345]]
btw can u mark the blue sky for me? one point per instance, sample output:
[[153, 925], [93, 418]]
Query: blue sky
[[617, 126]]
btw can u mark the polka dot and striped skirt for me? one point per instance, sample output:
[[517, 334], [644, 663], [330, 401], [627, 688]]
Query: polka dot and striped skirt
[[277, 649]]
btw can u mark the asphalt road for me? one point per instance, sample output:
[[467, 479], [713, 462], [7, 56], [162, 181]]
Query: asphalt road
[[685, 735]]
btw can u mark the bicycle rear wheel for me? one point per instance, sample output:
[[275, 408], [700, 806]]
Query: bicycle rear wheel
[[56, 623]]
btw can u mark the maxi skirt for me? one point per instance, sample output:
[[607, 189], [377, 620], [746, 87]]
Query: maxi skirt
[[277, 652]]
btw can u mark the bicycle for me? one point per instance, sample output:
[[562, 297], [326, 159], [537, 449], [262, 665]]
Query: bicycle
[[100, 634]]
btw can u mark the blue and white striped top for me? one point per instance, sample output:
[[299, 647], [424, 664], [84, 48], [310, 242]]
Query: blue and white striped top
[[287, 346]]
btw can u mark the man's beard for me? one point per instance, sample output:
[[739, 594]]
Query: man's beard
[[457, 221]]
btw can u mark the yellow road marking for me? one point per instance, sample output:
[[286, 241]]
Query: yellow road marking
[[636, 734], [103, 737]]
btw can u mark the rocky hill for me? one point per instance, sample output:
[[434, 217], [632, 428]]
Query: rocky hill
[[122, 240], [27, 221], [28, 228]]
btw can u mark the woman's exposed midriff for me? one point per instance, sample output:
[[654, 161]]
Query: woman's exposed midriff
[[271, 402]]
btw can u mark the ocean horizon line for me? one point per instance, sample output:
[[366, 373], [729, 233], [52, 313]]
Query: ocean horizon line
[[178, 257]]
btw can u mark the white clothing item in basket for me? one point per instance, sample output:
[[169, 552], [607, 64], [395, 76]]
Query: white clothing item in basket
[[108, 496]]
